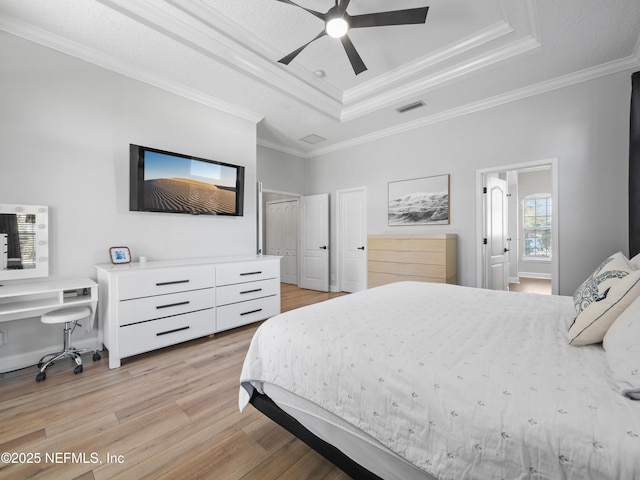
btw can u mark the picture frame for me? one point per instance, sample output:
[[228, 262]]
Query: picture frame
[[120, 255], [419, 201]]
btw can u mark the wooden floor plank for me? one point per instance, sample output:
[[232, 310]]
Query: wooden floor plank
[[171, 413]]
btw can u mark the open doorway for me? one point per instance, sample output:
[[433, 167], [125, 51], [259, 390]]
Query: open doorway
[[517, 225]]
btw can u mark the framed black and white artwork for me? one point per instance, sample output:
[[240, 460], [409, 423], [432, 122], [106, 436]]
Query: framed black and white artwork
[[419, 201]]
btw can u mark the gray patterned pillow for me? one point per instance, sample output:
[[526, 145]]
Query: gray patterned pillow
[[622, 344], [602, 298], [596, 287]]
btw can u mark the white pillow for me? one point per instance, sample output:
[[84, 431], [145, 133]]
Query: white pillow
[[635, 262], [602, 297], [622, 344]]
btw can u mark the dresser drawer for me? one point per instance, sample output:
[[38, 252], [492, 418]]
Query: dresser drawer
[[236, 314], [231, 273], [149, 308], [242, 292], [142, 337], [145, 283]]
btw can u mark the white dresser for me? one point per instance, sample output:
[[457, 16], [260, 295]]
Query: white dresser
[[155, 304]]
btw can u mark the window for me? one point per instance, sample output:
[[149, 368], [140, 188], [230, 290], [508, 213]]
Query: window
[[536, 220]]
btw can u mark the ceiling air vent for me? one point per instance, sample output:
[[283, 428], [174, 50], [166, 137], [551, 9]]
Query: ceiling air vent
[[313, 139], [411, 106]]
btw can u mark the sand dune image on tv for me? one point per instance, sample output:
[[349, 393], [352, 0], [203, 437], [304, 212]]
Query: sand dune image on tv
[[184, 195]]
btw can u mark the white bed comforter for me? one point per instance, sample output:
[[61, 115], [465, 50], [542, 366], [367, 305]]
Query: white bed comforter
[[461, 382]]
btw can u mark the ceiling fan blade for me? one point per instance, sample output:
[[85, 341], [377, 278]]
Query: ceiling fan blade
[[321, 16], [356, 62], [286, 60], [397, 17], [344, 4]]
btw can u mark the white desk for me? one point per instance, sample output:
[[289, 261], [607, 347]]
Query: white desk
[[28, 299]]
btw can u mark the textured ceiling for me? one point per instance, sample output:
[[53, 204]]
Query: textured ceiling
[[469, 55]]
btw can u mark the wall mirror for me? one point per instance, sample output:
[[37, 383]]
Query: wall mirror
[[24, 241]]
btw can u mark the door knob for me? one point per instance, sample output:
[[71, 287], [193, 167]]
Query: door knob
[[360, 248], [324, 247]]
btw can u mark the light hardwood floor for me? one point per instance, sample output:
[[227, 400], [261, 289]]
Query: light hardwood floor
[[532, 285], [167, 414]]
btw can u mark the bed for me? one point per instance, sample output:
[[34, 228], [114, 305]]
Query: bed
[[419, 380]]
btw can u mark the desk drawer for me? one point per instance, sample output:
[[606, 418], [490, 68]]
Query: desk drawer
[[145, 283], [143, 337], [231, 273], [237, 314], [149, 308], [242, 292]]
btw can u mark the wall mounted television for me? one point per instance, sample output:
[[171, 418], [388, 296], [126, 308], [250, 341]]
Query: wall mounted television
[[162, 181]]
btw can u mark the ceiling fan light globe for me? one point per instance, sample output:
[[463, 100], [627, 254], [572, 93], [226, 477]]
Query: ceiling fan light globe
[[337, 27]]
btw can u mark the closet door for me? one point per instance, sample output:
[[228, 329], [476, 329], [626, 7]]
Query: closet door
[[282, 237], [290, 242]]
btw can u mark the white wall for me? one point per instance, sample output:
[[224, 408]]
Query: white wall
[[65, 129], [281, 172], [585, 126]]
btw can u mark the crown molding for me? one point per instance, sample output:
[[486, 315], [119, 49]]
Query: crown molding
[[493, 32], [34, 34], [221, 47], [242, 51], [441, 78], [245, 42], [283, 149], [616, 66]]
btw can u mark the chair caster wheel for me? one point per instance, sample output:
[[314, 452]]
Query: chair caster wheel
[[41, 377], [96, 357], [78, 369]]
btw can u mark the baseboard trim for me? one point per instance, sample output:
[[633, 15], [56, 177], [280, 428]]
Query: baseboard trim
[[537, 276]]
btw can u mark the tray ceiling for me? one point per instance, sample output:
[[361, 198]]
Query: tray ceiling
[[467, 56]]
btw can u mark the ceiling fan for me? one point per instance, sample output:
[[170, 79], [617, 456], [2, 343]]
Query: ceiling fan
[[338, 22]]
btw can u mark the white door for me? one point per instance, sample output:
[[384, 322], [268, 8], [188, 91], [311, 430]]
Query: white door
[[282, 237], [259, 239], [352, 224], [496, 233], [314, 242], [290, 262]]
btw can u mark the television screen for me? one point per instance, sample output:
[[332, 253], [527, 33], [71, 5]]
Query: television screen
[[171, 182]]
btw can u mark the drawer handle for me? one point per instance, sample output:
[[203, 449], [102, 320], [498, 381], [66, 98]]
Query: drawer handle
[[162, 284], [252, 311], [172, 331], [173, 305], [251, 291], [250, 273]]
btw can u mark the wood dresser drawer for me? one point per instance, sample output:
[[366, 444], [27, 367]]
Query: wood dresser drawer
[[411, 257], [142, 337], [242, 292], [149, 308], [236, 314], [232, 273], [145, 283]]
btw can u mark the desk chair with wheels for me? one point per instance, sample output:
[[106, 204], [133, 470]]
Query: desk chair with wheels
[[70, 317]]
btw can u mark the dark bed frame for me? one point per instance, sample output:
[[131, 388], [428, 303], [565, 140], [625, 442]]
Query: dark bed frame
[[267, 406]]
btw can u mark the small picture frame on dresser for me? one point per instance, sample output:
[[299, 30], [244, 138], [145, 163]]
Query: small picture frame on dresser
[[120, 255]]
